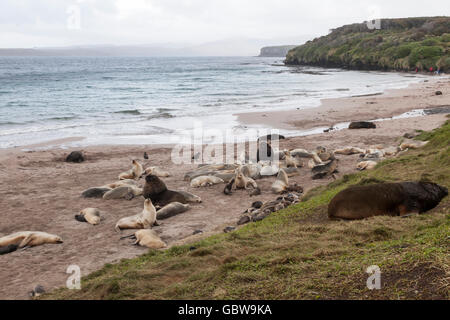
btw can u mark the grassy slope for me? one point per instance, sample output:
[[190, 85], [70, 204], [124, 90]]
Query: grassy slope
[[401, 44], [297, 253]]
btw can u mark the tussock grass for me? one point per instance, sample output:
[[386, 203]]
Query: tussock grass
[[297, 253]]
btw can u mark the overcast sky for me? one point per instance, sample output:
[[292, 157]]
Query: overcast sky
[[38, 23]]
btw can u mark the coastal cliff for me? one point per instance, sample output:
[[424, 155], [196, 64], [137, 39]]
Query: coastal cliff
[[398, 44], [275, 51]]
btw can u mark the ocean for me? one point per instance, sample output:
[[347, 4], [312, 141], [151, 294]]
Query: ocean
[[112, 100]]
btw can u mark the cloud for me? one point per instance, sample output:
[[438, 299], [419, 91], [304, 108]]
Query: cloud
[[29, 23]]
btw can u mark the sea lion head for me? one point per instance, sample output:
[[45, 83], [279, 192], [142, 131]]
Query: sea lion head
[[56, 239], [153, 185], [435, 190]]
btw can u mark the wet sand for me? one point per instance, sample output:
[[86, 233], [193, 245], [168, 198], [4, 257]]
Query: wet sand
[[41, 192]]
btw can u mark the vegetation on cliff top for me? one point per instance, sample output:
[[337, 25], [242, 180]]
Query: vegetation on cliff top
[[297, 253], [400, 44]]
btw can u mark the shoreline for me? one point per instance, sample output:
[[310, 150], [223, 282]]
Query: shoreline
[[42, 192], [368, 107]]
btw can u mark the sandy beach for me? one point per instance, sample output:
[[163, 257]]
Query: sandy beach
[[41, 192]]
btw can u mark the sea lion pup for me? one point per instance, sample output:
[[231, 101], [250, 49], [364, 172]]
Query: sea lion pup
[[157, 172], [347, 151], [89, 215], [134, 173], [144, 220], [191, 198], [204, 181], [229, 187], [280, 185], [290, 160], [366, 165], [323, 170], [393, 199], [148, 238], [156, 190], [125, 192], [241, 181], [412, 144], [29, 239], [172, 209]]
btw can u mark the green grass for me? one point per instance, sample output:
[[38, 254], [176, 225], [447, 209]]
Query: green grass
[[297, 253], [401, 44]]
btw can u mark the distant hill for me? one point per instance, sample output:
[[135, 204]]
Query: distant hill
[[275, 51], [400, 44]]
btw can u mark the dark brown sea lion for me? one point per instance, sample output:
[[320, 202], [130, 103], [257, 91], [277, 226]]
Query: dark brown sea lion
[[392, 199], [362, 125], [75, 156], [156, 190]]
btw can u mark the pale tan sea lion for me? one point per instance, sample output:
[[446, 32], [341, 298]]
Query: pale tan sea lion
[[393, 199], [204, 181], [157, 172], [149, 238], [29, 239], [412, 144], [170, 210], [241, 181], [134, 173], [366, 165], [347, 151], [302, 153], [89, 215], [290, 160], [144, 220], [280, 185]]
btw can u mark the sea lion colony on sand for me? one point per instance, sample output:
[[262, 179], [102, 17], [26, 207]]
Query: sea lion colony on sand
[[352, 203]]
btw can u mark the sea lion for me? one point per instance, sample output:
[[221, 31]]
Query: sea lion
[[157, 172], [412, 144], [290, 160], [241, 181], [204, 181], [268, 170], [191, 198], [393, 199], [347, 151], [144, 220], [29, 239], [134, 173], [323, 170], [324, 154], [120, 183], [280, 185], [362, 125], [89, 215], [172, 209], [366, 165], [125, 192], [96, 192], [264, 152], [147, 238], [8, 249], [156, 190], [75, 156], [228, 188], [252, 170], [302, 153]]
